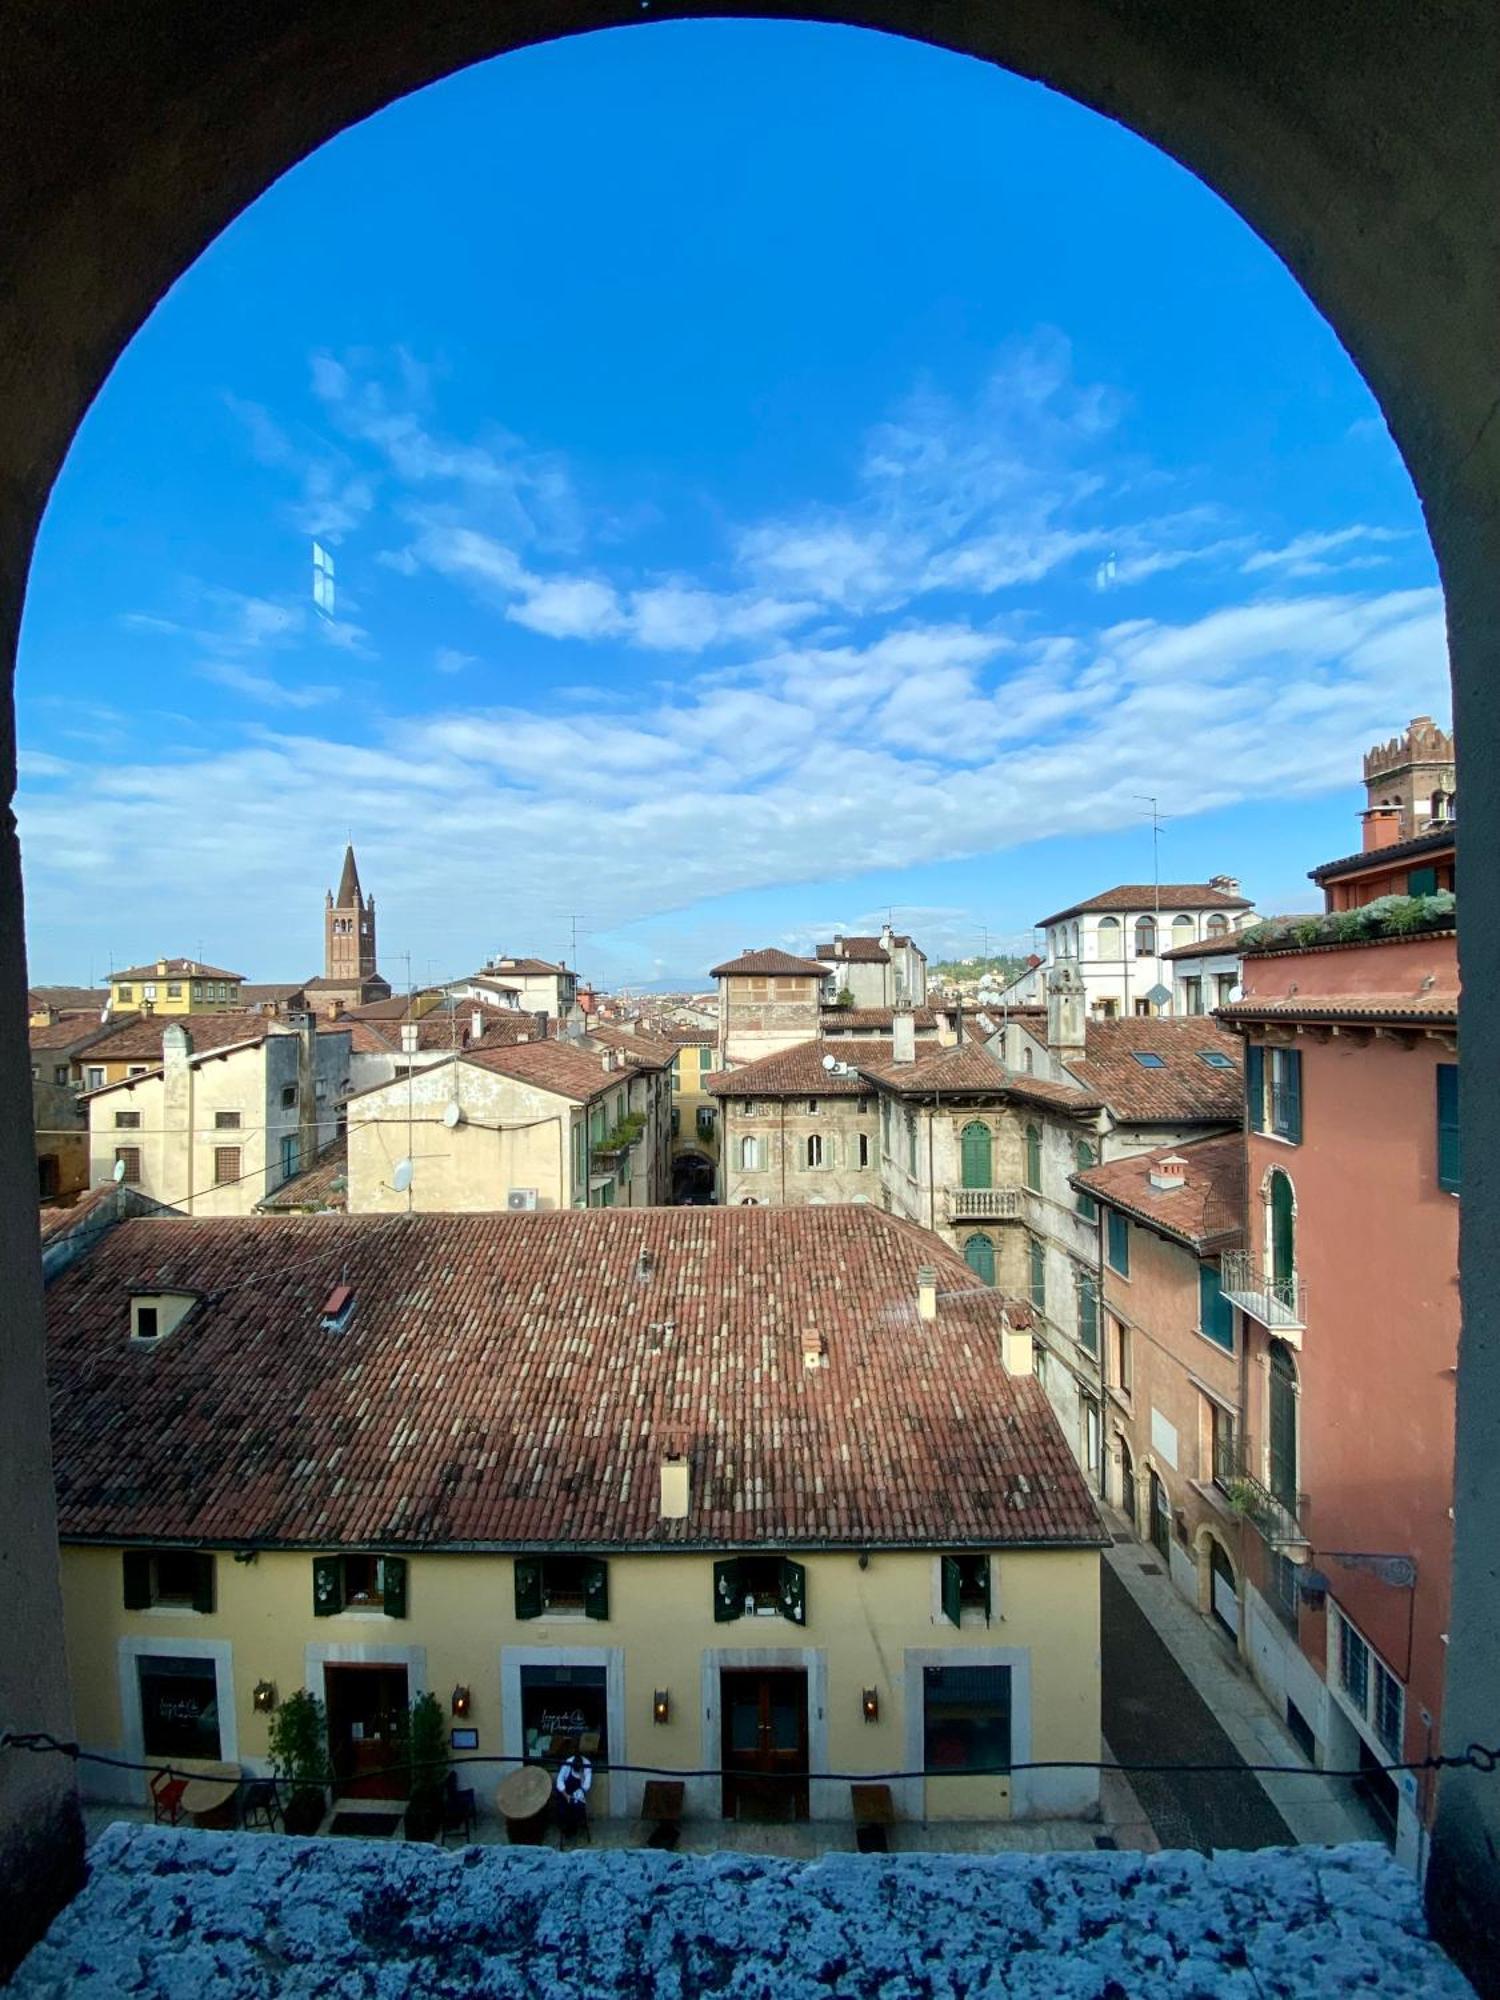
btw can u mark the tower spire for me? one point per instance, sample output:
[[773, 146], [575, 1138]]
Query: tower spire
[[349, 882]]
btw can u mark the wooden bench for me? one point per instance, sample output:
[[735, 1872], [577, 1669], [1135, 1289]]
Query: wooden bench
[[661, 1809], [874, 1815]]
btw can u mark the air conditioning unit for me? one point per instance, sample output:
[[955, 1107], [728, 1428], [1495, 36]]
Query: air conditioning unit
[[520, 1198]]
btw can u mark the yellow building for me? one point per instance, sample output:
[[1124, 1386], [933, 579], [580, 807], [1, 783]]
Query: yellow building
[[695, 1114], [582, 1476], [175, 986]]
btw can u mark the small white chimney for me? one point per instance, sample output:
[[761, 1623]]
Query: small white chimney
[[1169, 1174], [476, 1024], [674, 1487], [410, 1038], [1016, 1352], [903, 1036], [927, 1292], [814, 1349]]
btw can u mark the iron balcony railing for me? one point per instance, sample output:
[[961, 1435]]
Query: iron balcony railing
[[967, 1204], [1236, 1476], [1277, 1302]]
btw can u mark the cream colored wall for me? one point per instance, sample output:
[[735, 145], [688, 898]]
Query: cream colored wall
[[865, 1628], [687, 1094], [474, 1166], [783, 1126], [754, 1023]]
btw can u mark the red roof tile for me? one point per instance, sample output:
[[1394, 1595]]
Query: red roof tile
[[138, 1038], [1145, 896], [561, 1067], [534, 968], [69, 999], [972, 1068], [71, 1031], [1439, 840], [314, 1187], [645, 1050], [176, 968], [855, 951], [1205, 1213], [512, 1380], [833, 1019], [797, 1072], [1183, 1090], [1420, 1009], [769, 962]]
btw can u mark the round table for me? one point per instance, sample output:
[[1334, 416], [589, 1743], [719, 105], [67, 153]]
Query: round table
[[522, 1799], [208, 1796]]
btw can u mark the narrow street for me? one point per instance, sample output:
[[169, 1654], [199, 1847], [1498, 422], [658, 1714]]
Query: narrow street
[[1153, 1713]]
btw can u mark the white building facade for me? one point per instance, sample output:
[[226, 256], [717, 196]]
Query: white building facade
[[1117, 941]]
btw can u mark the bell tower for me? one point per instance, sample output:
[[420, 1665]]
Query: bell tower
[[349, 930]]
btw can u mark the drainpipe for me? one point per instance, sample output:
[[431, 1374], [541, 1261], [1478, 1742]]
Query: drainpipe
[[931, 1189], [782, 1102]]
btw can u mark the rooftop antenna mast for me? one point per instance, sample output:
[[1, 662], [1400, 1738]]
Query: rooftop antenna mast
[[1158, 821]]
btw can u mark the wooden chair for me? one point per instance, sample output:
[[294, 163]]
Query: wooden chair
[[458, 1810], [661, 1810], [874, 1816], [167, 1789]]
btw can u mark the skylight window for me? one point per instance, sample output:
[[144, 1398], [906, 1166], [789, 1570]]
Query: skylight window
[[1148, 1061], [1216, 1058]]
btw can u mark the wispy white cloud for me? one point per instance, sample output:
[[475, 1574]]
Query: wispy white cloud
[[263, 688], [1308, 555]]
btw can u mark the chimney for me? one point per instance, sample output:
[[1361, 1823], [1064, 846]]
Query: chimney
[[674, 1487], [1067, 1013], [176, 1047], [476, 1024], [1169, 1174], [887, 937], [926, 1292], [1379, 827], [838, 945], [161, 968], [814, 1349], [1016, 1353], [903, 1036], [410, 1038]]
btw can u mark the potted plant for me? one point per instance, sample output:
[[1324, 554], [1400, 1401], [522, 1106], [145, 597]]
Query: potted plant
[[427, 1738], [299, 1756]]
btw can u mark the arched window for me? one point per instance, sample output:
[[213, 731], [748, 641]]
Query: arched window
[[975, 1153], [1026, 1059], [1034, 1158], [1281, 1226], [979, 1255], [1218, 924], [1107, 938], [1182, 930], [750, 1154], [1086, 1156], [1145, 937], [1281, 1425], [1073, 947], [815, 1149]]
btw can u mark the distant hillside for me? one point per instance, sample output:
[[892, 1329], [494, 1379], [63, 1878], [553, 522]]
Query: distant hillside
[[1001, 966]]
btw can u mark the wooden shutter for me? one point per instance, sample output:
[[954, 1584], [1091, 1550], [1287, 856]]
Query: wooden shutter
[[528, 1586], [1289, 1125], [1447, 1127], [1084, 1203], [1255, 1086], [1088, 1313], [1422, 882], [984, 1584], [203, 1584], [393, 1585], [729, 1595], [794, 1591], [975, 1145], [328, 1585], [137, 1568], [595, 1587], [952, 1601], [1215, 1314], [1119, 1242]]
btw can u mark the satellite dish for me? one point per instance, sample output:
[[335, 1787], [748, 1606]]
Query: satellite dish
[[401, 1177], [118, 1173], [830, 1062], [453, 1116]]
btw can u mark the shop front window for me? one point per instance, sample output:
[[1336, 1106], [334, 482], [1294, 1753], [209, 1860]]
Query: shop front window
[[966, 1719], [563, 1705], [179, 1708]]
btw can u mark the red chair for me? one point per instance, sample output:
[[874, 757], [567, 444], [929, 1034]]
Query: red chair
[[166, 1797]]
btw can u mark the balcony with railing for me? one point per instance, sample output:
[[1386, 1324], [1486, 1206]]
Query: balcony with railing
[[1236, 1476], [969, 1204], [1277, 1302]]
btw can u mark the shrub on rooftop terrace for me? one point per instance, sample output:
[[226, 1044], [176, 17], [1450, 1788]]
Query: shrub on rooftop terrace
[[1387, 916]]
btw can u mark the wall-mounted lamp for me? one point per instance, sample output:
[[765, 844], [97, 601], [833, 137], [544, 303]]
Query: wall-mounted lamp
[[246, 1555], [864, 1558], [661, 1706], [869, 1703], [460, 1700], [263, 1697]]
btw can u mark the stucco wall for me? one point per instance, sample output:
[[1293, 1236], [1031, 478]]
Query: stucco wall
[[513, 1135], [861, 1625], [784, 1125]]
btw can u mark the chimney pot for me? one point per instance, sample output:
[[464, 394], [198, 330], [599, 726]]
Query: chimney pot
[[1017, 1355], [903, 1036], [1380, 827], [1169, 1174], [476, 1024], [927, 1292], [674, 1487], [814, 1349]]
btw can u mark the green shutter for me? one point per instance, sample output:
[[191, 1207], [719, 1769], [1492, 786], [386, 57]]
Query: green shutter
[[974, 1142], [328, 1585], [1119, 1242], [393, 1585], [528, 1586], [1289, 1124], [1034, 1159], [794, 1592], [203, 1585], [729, 1598], [984, 1584], [1088, 1313], [137, 1567], [595, 1587], [1255, 1086], [1037, 1258], [1447, 1127], [1215, 1313], [1085, 1204], [979, 1255], [952, 1609], [1422, 882]]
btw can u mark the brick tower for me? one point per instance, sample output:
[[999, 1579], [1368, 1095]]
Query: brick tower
[[1410, 780], [350, 977]]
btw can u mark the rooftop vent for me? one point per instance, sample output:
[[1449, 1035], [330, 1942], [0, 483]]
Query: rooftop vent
[[338, 1309], [1169, 1174], [814, 1349], [645, 1264], [674, 1487]]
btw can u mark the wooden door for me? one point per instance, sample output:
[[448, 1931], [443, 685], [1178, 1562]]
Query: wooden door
[[1282, 1426], [1161, 1520], [764, 1753], [368, 1730]]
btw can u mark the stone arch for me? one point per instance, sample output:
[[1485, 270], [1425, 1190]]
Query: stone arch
[[1206, 1540], [1370, 172]]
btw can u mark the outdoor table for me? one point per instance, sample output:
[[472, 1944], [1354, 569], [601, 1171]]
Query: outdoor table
[[522, 1799], [209, 1794]]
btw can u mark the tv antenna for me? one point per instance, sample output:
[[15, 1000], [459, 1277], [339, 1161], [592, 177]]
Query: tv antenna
[[1158, 821]]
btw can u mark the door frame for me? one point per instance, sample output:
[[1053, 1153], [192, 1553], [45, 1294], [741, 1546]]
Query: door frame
[[351, 1785], [798, 1782], [133, 1785], [705, 1795], [621, 1791]]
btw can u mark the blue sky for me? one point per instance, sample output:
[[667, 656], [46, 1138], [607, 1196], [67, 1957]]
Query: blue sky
[[774, 474]]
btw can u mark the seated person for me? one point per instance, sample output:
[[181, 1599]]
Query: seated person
[[571, 1792]]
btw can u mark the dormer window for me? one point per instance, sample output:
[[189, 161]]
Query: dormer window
[[153, 1315], [338, 1309]]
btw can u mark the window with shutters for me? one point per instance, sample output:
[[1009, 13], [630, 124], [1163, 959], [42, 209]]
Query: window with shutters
[[760, 1587], [911, 1144], [1034, 1158], [706, 1116], [1120, 1355], [751, 1154], [1284, 1078], [1217, 925], [359, 1583], [1422, 882], [176, 1579], [964, 1587], [1215, 1313], [1085, 1156], [130, 1158], [1036, 1258], [226, 1165], [975, 1149], [965, 1719], [562, 1587], [815, 1149], [979, 1255], [1088, 1312], [1118, 1240], [1145, 938], [1447, 1127]]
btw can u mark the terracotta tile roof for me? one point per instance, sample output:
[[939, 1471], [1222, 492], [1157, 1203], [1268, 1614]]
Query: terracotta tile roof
[[770, 961], [855, 951], [687, 1038], [974, 1068], [1421, 1009], [646, 1051], [138, 1038], [866, 1019], [1220, 947], [72, 1031], [797, 1072], [365, 1038], [396, 1008], [176, 968], [1183, 1090], [57, 1222], [560, 1067], [69, 999], [1443, 840], [534, 968], [490, 985], [314, 1187], [277, 993], [513, 1380], [1206, 1213], [1144, 896]]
